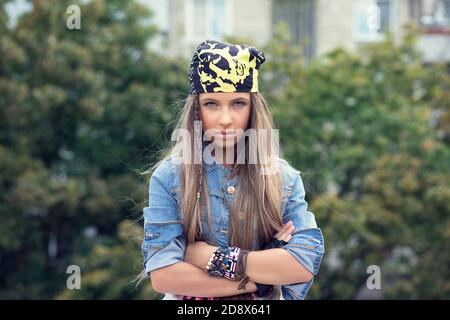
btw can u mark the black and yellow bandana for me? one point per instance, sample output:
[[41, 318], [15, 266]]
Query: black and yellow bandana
[[223, 67]]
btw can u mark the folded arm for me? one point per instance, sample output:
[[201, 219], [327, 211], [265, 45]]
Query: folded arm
[[185, 279], [273, 266]]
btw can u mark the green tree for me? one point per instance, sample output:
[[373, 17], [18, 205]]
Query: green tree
[[361, 129], [81, 112]]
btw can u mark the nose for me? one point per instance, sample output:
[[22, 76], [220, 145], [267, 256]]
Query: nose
[[225, 118]]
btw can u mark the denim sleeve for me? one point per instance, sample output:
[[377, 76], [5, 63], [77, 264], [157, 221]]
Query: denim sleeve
[[306, 244], [164, 241]]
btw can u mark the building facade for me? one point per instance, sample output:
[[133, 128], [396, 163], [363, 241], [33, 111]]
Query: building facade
[[317, 25]]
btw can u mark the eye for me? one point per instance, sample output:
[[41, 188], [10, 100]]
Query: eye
[[239, 104], [209, 104]]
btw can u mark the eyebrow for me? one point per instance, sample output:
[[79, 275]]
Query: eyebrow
[[214, 100]]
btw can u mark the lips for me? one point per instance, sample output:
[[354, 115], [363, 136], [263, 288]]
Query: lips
[[225, 134]]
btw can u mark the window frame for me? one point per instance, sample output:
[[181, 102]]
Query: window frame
[[371, 36]]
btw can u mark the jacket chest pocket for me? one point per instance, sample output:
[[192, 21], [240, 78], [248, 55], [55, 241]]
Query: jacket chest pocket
[[219, 216], [219, 233]]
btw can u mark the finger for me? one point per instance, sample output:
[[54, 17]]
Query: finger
[[283, 229], [286, 233], [287, 238], [276, 235], [280, 231], [290, 230]]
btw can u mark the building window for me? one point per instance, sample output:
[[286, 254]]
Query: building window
[[160, 18], [15, 9], [199, 23], [299, 15], [437, 15], [217, 22], [160, 14], [207, 19], [372, 19]]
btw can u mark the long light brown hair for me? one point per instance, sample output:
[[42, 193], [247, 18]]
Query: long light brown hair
[[256, 213]]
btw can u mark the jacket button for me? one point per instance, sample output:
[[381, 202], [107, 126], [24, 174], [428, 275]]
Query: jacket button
[[231, 189]]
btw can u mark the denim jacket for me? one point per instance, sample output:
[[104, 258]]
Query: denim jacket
[[164, 240]]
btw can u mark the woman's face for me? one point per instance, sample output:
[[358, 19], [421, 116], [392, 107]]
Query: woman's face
[[222, 114]]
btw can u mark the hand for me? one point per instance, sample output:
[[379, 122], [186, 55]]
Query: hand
[[198, 253], [285, 232]]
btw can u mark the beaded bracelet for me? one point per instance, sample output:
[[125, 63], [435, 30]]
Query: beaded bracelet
[[228, 262], [216, 263], [232, 257]]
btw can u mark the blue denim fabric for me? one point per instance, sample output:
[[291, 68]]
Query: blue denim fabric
[[164, 240]]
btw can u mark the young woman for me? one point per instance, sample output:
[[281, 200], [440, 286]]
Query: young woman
[[227, 217]]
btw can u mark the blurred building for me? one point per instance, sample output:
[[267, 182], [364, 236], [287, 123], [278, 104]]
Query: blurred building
[[317, 25]]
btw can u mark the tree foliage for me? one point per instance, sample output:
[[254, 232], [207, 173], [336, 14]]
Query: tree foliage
[[369, 133], [82, 112]]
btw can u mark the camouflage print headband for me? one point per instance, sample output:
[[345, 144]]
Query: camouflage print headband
[[223, 67]]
